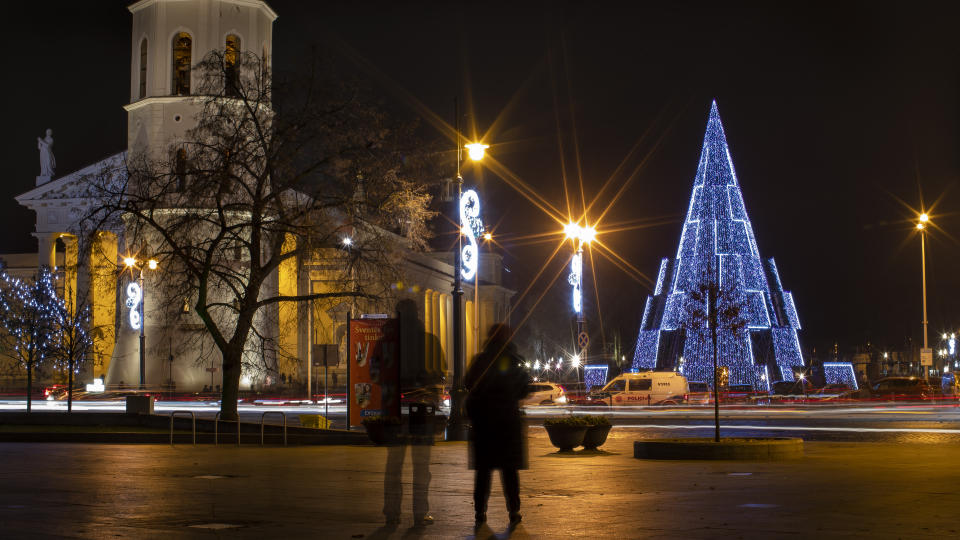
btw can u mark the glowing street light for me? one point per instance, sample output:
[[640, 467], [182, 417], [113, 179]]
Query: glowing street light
[[476, 150], [579, 235], [922, 221], [457, 427]]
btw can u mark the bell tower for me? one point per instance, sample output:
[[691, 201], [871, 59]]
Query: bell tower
[[169, 38]]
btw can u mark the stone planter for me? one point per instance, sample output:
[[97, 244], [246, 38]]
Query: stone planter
[[566, 437], [595, 436], [383, 434]]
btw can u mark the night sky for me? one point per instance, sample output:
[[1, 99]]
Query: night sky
[[840, 119]]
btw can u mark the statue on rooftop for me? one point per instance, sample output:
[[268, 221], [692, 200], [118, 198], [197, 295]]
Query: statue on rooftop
[[47, 162]]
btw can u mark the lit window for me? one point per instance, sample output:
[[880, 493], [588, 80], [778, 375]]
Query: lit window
[[182, 62], [143, 68], [231, 62]]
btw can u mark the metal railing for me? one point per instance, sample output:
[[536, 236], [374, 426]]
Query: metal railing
[[193, 421], [281, 413], [216, 426]]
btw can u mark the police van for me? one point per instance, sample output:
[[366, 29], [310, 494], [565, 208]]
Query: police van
[[646, 388]]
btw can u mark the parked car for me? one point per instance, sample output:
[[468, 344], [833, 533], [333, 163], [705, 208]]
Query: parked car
[[644, 388], [545, 393], [737, 393], [435, 395], [904, 388], [835, 392], [56, 391], [699, 393]]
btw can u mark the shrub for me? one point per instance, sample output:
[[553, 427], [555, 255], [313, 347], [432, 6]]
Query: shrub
[[597, 420], [573, 421]]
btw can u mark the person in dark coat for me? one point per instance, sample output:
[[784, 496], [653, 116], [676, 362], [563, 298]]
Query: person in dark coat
[[498, 440]]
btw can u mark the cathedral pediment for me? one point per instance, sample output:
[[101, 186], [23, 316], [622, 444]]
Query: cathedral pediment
[[74, 187]]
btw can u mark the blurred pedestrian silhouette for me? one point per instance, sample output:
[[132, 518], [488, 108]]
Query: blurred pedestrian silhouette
[[419, 435], [498, 440], [419, 439]]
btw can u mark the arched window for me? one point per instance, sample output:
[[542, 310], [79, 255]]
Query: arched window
[[182, 62], [143, 68], [231, 65], [180, 168]]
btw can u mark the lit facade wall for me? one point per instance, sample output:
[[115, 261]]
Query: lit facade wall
[[718, 245]]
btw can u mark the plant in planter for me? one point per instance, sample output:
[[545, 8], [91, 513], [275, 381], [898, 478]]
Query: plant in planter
[[566, 432], [596, 435], [382, 429]]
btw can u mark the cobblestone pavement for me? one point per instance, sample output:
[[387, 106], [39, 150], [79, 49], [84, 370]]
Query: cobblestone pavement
[[877, 490]]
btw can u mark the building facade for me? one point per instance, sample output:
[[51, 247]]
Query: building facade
[[168, 39]]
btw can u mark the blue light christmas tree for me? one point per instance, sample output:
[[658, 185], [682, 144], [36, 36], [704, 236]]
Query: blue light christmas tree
[[718, 246]]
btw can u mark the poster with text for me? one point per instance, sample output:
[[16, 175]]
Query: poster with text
[[374, 358]]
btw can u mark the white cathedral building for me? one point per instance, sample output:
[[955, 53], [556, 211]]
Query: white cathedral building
[[169, 38]]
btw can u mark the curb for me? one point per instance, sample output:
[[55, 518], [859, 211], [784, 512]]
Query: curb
[[773, 448]]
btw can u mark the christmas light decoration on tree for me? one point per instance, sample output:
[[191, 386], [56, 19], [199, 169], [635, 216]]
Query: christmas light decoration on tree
[[840, 373], [28, 314], [594, 376], [717, 245]]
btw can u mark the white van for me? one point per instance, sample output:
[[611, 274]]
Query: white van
[[646, 388]]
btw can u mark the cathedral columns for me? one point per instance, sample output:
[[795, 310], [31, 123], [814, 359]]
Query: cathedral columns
[[47, 252], [102, 295]]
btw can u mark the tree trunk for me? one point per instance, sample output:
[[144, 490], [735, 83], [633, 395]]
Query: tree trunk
[[230, 385], [716, 387], [70, 386], [29, 385]]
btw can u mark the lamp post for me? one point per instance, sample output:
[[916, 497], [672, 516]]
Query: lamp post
[[579, 236], [922, 221], [487, 238], [457, 427], [135, 302]]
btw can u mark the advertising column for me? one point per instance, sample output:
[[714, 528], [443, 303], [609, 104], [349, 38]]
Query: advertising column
[[374, 356]]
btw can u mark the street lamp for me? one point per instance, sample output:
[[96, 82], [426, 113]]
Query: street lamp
[[135, 301], [922, 221], [579, 235], [457, 428]]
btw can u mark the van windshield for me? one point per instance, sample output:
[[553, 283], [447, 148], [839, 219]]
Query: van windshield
[[616, 385]]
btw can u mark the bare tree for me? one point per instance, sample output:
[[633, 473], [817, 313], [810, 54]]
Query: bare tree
[[713, 306], [70, 342], [254, 188], [28, 316]]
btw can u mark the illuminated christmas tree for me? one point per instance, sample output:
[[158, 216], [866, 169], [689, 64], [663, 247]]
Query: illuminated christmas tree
[[717, 246]]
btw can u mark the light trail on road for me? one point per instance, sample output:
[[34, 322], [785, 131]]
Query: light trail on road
[[738, 427]]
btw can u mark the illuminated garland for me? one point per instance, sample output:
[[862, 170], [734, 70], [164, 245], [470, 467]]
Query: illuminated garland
[[717, 243], [594, 376], [840, 373]]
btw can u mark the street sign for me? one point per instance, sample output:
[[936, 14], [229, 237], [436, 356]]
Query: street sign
[[926, 357], [583, 340]]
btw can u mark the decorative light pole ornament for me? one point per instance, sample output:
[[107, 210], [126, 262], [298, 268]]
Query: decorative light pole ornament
[[471, 226], [576, 279], [134, 298]]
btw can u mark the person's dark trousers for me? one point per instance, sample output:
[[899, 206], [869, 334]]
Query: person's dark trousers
[[510, 478]]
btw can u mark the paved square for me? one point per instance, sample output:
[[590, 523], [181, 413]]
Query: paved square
[[152, 491]]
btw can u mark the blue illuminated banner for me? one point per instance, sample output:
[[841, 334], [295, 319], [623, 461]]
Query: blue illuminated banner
[[471, 226]]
